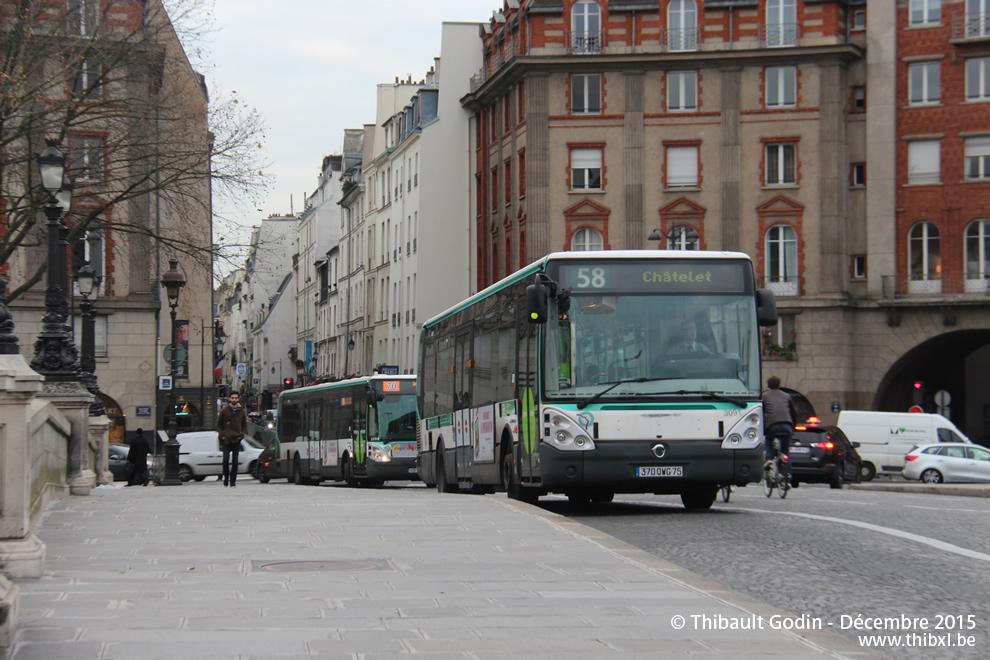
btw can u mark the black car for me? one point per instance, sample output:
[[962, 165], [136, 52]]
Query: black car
[[823, 454], [117, 461]]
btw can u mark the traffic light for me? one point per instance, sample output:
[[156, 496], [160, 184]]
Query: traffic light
[[287, 384], [917, 392]]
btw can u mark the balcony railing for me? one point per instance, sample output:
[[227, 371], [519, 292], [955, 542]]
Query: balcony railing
[[782, 285], [780, 35], [681, 39], [971, 26], [585, 43], [940, 284]]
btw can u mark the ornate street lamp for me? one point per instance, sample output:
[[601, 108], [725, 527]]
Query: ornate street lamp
[[55, 355], [173, 281], [88, 282], [347, 355]]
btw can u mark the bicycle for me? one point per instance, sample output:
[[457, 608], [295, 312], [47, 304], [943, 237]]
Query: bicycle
[[775, 473]]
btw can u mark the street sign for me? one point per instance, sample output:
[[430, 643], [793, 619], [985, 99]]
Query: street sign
[[180, 354], [836, 407], [942, 398], [916, 409], [144, 411], [164, 382]]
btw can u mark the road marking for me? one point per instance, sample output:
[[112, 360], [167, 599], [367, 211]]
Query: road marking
[[945, 508], [935, 543]]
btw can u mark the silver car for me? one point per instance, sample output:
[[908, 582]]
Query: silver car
[[947, 461]]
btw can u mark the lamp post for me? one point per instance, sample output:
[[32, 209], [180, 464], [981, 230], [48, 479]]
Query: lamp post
[[55, 355], [173, 281], [88, 282], [674, 235]]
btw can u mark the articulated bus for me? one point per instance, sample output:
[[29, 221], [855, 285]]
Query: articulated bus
[[361, 430], [595, 373]]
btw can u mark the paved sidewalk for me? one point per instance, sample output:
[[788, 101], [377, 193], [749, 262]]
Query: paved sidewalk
[[277, 570]]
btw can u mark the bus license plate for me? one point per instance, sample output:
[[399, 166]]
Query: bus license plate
[[675, 471]]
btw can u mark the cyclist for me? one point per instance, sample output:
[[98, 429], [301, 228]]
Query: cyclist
[[779, 415]]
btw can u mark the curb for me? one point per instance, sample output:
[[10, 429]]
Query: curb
[[926, 489]]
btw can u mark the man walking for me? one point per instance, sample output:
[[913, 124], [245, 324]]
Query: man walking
[[137, 456], [231, 427]]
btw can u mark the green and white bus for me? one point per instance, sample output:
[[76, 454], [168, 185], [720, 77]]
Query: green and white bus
[[574, 376], [361, 430]]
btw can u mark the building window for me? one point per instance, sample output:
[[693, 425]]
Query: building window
[[858, 175], [924, 253], [508, 181], [923, 162], [99, 334], [859, 19], [81, 17], [586, 24], [781, 260], [859, 267], [86, 157], [585, 239], [977, 255], [977, 18], [780, 168], [682, 166], [923, 80], [781, 23], [978, 78], [859, 98], [682, 25], [586, 93], [586, 169], [683, 237], [978, 157], [682, 91], [85, 76], [522, 173], [926, 12], [781, 86]]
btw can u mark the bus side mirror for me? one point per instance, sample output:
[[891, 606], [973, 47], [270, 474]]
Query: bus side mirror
[[536, 301], [766, 307]]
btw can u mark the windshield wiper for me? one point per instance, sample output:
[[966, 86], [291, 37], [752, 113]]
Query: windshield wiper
[[713, 395], [612, 385]]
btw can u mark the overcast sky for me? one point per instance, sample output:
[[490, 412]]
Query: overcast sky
[[311, 68]]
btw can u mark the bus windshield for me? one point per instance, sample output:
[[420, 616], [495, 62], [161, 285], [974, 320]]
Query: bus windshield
[[394, 417], [670, 341]]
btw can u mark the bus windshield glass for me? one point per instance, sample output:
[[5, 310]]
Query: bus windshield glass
[[394, 416], [673, 329]]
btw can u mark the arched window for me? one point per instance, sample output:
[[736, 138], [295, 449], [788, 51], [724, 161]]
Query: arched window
[[977, 255], [781, 260], [586, 26], [781, 29], [683, 237], [682, 25], [585, 239], [924, 259]]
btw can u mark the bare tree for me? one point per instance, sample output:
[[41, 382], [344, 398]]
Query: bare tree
[[111, 81]]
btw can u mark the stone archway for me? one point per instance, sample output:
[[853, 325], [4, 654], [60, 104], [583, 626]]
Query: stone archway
[[118, 422], [956, 362]]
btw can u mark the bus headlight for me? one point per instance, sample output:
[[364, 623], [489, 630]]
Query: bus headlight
[[379, 453], [564, 433], [747, 433]]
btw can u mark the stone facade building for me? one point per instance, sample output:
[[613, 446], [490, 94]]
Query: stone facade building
[[750, 125]]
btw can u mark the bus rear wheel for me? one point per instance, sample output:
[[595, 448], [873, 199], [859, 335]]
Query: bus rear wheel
[[348, 470], [443, 486]]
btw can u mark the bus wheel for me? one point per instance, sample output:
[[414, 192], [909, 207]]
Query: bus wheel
[[297, 472], [348, 470], [514, 489], [443, 486], [698, 499]]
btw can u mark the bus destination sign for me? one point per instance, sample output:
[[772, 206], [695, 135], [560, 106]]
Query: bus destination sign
[[654, 276], [396, 386]]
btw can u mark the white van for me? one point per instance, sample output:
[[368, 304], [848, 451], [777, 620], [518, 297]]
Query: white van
[[885, 437], [200, 455]]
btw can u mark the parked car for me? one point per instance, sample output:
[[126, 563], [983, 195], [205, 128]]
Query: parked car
[[200, 455], [948, 461], [117, 461], [823, 454]]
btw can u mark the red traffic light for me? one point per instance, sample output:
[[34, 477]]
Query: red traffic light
[[917, 385], [287, 382]]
